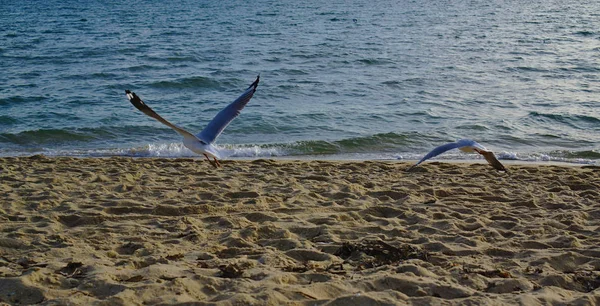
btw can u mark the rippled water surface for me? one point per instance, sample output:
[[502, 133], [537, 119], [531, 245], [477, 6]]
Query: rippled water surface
[[339, 79]]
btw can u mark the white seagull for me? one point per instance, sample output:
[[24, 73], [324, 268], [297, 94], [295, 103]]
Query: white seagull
[[201, 143], [465, 145]]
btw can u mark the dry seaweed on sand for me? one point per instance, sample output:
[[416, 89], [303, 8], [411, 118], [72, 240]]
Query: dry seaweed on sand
[[374, 253]]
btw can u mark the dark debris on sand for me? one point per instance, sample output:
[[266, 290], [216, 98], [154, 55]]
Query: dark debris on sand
[[374, 253]]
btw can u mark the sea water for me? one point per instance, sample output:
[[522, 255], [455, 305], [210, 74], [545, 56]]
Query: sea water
[[339, 79]]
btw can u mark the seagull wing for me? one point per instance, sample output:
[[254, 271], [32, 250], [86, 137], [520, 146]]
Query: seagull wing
[[139, 104], [437, 151], [492, 160], [225, 116], [488, 155], [474, 145]]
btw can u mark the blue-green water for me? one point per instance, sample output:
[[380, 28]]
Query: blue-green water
[[342, 79]]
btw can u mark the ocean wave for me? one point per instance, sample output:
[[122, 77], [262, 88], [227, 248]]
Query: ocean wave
[[375, 61], [44, 136], [526, 69], [584, 33], [21, 99], [583, 155], [163, 143], [573, 120], [144, 67], [294, 150], [181, 59], [76, 136], [388, 142], [7, 120], [92, 76], [191, 82], [172, 150]]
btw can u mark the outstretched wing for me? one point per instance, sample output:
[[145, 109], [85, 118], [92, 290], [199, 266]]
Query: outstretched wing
[[437, 151], [139, 104], [225, 116], [492, 160]]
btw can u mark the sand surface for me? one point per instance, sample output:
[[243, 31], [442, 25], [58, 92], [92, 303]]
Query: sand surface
[[111, 231]]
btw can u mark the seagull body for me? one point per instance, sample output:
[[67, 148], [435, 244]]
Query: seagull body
[[202, 143], [465, 145]]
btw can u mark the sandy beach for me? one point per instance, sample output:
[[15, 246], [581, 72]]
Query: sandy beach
[[148, 231]]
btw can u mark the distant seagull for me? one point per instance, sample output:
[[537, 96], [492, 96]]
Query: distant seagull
[[202, 142], [465, 145]]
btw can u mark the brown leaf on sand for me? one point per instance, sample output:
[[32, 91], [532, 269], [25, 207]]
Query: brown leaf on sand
[[295, 269], [231, 271], [170, 278], [175, 256], [336, 269], [134, 279], [497, 273], [72, 269]]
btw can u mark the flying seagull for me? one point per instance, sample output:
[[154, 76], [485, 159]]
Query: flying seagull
[[201, 143], [465, 145]]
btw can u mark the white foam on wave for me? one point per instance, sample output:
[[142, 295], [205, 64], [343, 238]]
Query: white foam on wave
[[541, 157], [228, 151], [508, 155], [163, 150], [172, 150], [513, 156]]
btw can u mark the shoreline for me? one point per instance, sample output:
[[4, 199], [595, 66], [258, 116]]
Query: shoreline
[[124, 231], [327, 158]]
